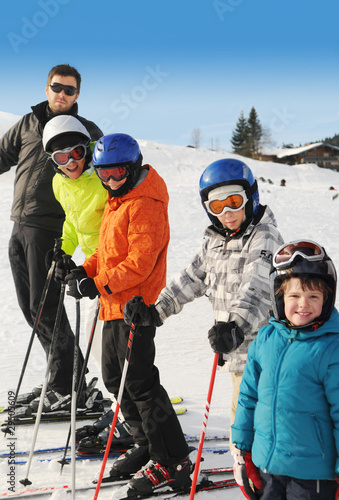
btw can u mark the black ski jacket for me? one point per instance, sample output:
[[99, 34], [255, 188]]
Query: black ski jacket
[[34, 203]]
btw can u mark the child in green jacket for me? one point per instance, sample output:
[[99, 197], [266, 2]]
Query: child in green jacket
[[77, 187], [79, 191]]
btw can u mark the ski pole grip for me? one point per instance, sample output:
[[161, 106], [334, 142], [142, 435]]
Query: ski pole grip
[[138, 300], [57, 245]]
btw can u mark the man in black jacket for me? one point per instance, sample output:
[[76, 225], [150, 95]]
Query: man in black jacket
[[38, 217]]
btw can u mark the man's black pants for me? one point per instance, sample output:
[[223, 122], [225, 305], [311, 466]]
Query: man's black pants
[[27, 251]]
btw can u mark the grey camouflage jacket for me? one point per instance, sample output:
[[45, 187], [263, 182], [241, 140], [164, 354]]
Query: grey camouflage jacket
[[235, 273]]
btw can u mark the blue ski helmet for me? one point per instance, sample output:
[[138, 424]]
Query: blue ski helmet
[[119, 150], [227, 172]]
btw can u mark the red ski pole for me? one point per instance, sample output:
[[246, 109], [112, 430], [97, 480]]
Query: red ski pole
[[117, 407], [204, 425]]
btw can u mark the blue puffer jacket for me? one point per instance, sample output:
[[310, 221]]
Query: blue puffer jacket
[[288, 407]]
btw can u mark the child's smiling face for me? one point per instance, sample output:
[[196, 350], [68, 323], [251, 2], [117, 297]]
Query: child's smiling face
[[74, 169], [302, 306]]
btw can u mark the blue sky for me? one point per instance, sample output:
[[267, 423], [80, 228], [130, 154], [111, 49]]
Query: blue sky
[[157, 70]]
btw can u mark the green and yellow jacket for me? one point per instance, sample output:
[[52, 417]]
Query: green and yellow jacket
[[83, 201]]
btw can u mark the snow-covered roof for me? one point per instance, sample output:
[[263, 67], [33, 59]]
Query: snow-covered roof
[[282, 152]]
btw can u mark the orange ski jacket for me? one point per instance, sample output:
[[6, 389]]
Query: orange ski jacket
[[131, 256]]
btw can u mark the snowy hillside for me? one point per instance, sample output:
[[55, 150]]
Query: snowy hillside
[[304, 208], [6, 121]]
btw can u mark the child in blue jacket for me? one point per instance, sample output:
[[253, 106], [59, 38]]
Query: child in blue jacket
[[286, 429]]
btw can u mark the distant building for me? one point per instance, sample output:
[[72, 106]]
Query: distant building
[[322, 154]]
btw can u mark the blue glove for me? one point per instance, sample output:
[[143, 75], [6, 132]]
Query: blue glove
[[79, 285]]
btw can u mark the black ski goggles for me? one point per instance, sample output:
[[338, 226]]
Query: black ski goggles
[[115, 173], [65, 156], [306, 249], [68, 89]]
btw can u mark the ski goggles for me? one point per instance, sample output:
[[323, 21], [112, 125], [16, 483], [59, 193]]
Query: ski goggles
[[233, 202], [306, 249], [115, 173], [68, 89], [65, 156]]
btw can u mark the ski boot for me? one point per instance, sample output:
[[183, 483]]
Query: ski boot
[[53, 402], [27, 397], [129, 463], [94, 429], [154, 478], [91, 398], [96, 445]]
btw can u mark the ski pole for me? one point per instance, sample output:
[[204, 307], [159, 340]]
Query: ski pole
[[59, 312], [74, 393], [63, 461], [132, 332], [57, 246], [204, 425]]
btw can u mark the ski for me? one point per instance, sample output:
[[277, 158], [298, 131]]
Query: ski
[[61, 416], [204, 485], [113, 454], [189, 439], [65, 415], [106, 402]]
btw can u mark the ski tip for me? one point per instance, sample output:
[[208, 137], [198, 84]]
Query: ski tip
[[180, 411], [176, 400]]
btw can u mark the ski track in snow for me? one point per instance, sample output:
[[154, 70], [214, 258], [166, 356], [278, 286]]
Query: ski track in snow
[[304, 208]]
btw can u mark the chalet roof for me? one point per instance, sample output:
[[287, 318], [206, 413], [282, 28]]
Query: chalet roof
[[283, 152]]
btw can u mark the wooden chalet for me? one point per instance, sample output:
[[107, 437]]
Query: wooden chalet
[[322, 154]]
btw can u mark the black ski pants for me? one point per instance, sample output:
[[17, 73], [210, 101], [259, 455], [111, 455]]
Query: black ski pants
[[27, 251], [291, 488], [145, 404]]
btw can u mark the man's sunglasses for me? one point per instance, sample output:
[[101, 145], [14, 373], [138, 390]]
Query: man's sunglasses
[[115, 173], [65, 156], [68, 89]]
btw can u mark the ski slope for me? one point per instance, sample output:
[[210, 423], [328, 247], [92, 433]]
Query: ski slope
[[303, 209]]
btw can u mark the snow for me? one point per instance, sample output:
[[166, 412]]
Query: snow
[[304, 208]]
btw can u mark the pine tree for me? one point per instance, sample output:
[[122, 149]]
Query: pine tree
[[240, 136], [255, 131]]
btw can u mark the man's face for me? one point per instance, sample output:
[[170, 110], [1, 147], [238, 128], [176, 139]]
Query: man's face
[[61, 103]]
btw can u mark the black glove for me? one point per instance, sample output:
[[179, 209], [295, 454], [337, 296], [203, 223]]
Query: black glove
[[225, 337], [137, 312], [53, 255], [63, 267], [79, 285]]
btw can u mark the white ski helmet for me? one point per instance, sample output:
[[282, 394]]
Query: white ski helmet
[[61, 125]]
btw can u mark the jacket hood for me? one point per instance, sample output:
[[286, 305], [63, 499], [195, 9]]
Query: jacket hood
[[330, 326], [152, 186]]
